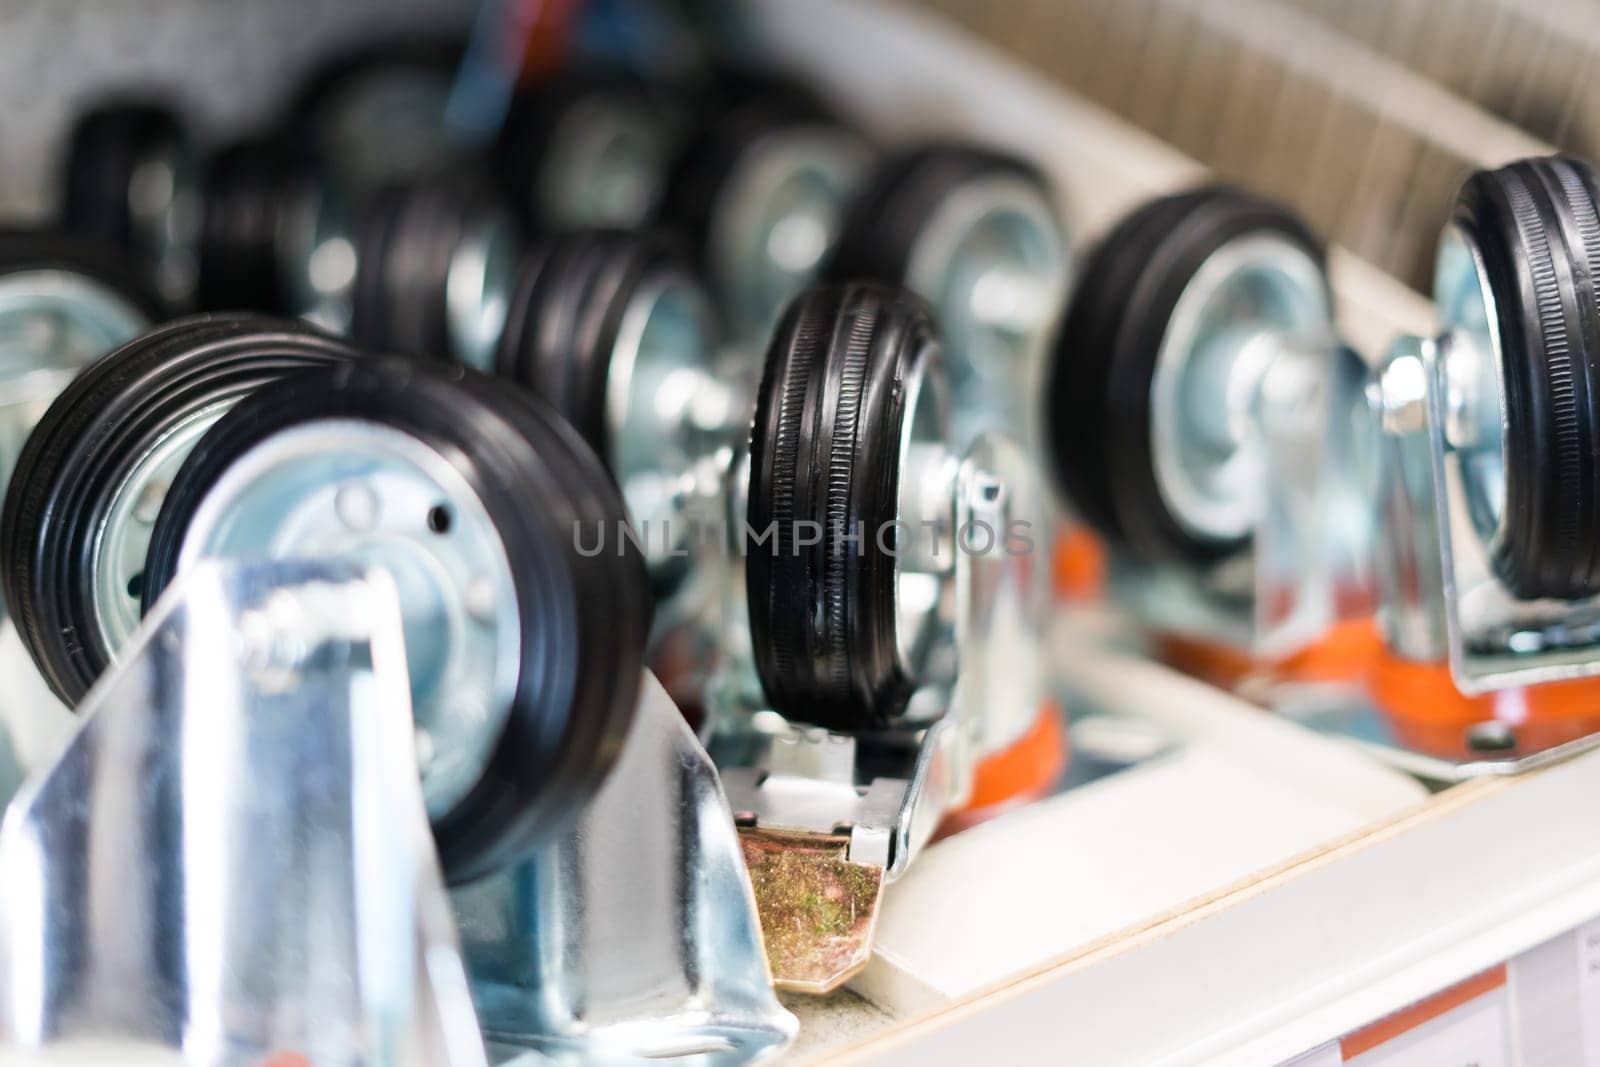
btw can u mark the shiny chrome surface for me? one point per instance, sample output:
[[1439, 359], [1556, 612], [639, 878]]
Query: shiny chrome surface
[[993, 263], [1248, 300], [317, 256], [779, 217], [673, 399], [924, 536], [1408, 567], [1475, 411], [1003, 599], [230, 860], [634, 936], [357, 491], [478, 289], [1313, 544], [34, 725], [1374, 730]]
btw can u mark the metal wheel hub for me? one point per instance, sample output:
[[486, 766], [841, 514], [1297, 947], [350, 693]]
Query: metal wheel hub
[[992, 262], [319, 259], [358, 491], [926, 541], [1246, 303], [607, 165], [1475, 418], [478, 290], [666, 409], [117, 560], [781, 216]]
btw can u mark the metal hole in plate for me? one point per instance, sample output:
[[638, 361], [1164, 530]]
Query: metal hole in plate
[[1475, 422], [666, 407], [1491, 736], [992, 262], [779, 218], [1248, 300], [478, 290], [122, 539], [607, 162], [459, 611]]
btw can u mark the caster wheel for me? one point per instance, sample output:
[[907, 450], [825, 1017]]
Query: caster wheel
[[435, 264], [376, 116], [276, 236], [524, 654], [1517, 284], [1149, 392], [850, 405], [610, 328], [133, 182], [760, 192], [590, 151], [87, 488], [975, 233], [64, 302]]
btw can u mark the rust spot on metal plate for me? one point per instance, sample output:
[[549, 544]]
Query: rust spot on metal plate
[[818, 909]]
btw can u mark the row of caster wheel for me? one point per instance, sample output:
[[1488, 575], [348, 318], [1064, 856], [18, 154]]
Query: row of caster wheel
[[612, 328], [358, 209], [1190, 309], [242, 437], [1218, 282], [1260, 486], [1194, 392]]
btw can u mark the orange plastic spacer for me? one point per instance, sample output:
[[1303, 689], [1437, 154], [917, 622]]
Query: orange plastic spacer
[[1026, 771], [1431, 715], [1347, 652], [1078, 564]]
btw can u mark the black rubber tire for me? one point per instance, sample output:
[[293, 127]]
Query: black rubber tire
[[887, 219], [825, 448], [565, 315], [536, 118], [89, 440], [1537, 226], [1104, 363], [105, 147], [404, 250], [252, 186], [584, 618], [29, 250]]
